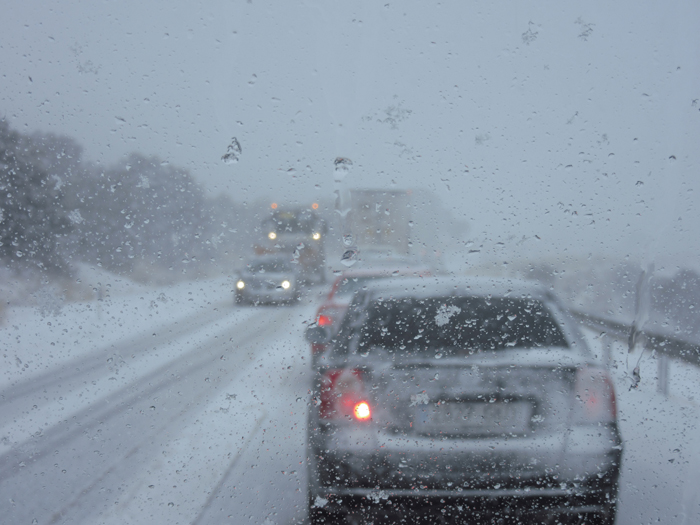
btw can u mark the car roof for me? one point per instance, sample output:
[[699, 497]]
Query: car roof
[[439, 286], [371, 273]]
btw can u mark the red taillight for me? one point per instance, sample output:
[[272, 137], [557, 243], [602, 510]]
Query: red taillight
[[343, 396], [324, 320], [594, 397], [362, 411]]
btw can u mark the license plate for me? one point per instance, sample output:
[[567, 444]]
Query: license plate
[[468, 417]]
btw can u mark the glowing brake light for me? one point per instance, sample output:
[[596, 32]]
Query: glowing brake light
[[343, 396], [324, 320], [362, 411]]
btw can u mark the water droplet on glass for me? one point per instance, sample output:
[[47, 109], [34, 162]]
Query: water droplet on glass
[[343, 213], [342, 168], [233, 152], [349, 258], [297, 253], [410, 224], [636, 377], [19, 253], [171, 504], [347, 239]]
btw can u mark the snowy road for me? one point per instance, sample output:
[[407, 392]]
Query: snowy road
[[160, 409], [203, 413]]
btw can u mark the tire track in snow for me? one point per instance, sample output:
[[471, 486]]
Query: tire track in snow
[[85, 366], [187, 370]]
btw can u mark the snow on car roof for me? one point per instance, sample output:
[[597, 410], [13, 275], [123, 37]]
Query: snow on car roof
[[433, 286]]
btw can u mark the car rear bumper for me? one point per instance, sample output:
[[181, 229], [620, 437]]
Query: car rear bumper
[[536, 505], [468, 491]]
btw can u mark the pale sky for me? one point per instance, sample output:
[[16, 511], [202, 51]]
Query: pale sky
[[579, 125]]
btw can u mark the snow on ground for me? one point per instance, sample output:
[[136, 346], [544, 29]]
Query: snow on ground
[[34, 340], [219, 455], [105, 337], [243, 455], [660, 478]]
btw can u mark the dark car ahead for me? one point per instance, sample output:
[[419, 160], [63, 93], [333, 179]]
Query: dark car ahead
[[331, 311], [268, 279], [460, 401]]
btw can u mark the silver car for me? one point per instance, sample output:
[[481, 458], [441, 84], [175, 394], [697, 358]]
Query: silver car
[[460, 401], [269, 279]]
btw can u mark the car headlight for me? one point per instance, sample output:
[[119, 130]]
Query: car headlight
[[316, 236], [272, 236], [240, 285], [286, 284]]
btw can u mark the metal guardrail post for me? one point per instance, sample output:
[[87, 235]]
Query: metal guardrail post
[[662, 373]]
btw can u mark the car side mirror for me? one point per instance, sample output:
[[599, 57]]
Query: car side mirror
[[318, 334]]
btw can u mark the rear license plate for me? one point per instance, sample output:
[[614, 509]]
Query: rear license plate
[[469, 417]]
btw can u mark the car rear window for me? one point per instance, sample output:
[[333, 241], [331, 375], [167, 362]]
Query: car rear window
[[459, 325]]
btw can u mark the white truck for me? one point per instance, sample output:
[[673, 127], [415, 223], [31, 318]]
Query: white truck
[[400, 227], [300, 234]]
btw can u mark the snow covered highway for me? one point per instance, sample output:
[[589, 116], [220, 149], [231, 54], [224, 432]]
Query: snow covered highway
[[172, 405], [154, 426]]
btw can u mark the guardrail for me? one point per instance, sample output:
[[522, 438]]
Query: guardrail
[[666, 346]]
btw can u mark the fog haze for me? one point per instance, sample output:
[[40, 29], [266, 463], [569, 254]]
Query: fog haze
[[555, 130]]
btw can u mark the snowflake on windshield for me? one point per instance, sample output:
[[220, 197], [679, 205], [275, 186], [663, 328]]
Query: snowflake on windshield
[[444, 314]]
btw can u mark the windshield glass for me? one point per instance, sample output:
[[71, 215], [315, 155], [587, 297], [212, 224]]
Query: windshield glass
[[460, 326], [155, 153]]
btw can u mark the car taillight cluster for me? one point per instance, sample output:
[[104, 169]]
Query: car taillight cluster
[[324, 320], [343, 396], [594, 397]]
